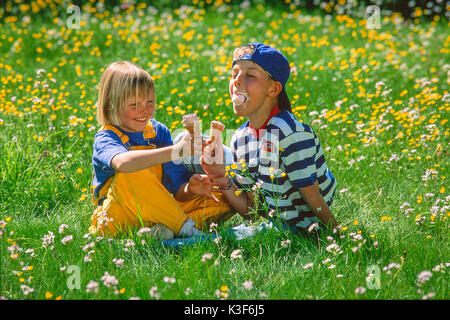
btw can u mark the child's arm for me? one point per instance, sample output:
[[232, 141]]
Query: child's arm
[[136, 160], [241, 202], [318, 205]]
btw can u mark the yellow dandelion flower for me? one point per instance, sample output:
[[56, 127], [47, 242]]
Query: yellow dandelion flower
[[48, 295], [272, 177], [83, 197], [419, 198], [234, 166], [79, 170], [21, 280], [384, 218], [58, 298], [122, 291], [8, 219], [237, 192], [356, 222], [442, 190], [224, 288]]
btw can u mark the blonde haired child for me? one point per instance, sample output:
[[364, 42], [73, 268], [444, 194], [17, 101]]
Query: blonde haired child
[[135, 182]]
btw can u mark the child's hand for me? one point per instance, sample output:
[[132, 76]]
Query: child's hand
[[204, 185], [213, 161]]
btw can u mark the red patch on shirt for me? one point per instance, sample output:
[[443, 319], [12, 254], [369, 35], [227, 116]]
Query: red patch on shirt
[[256, 132]]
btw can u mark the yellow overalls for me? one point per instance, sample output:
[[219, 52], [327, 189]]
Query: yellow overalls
[[139, 199]]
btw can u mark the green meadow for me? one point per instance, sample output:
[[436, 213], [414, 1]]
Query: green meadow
[[377, 98]]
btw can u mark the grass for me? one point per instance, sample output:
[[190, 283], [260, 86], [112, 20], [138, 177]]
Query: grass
[[378, 100]]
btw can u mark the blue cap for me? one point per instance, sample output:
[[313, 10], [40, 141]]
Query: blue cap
[[270, 59]]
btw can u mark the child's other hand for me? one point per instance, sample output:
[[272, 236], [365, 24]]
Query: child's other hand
[[213, 161], [204, 185]]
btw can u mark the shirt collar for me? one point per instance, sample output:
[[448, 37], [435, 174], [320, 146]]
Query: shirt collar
[[256, 132]]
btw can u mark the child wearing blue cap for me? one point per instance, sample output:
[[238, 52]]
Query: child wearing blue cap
[[273, 150]]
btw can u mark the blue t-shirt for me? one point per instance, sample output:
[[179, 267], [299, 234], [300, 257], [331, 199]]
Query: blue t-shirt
[[107, 144]]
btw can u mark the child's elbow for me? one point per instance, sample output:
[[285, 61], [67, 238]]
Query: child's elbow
[[118, 163]]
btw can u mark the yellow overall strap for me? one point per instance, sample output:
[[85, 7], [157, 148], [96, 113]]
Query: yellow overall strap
[[123, 137], [149, 131]]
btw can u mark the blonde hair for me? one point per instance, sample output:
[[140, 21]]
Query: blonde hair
[[120, 80]]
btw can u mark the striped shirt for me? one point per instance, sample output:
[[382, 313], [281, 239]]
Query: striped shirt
[[281, 158]]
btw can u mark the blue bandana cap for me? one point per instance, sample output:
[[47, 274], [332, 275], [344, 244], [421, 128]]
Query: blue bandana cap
[[270, 59]]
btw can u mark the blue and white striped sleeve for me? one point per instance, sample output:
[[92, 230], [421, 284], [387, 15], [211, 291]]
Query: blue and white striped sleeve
[[298, 156]]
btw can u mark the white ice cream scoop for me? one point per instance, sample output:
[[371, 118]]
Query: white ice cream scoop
[[239, 98]]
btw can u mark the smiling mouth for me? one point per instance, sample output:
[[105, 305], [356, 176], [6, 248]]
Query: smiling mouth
[[141, 119]]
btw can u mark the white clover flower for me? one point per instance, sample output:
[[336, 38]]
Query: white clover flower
[[92, 287], [285, 243], [26, 290], [423, 277], [66, 239], [143, 231], [109, 281], [248, 284], [313, 226], [62, 228], [428, 296], [118, 262], [308, 265], [213, 227], [360, 290], [169, 280], [88, 246], [207, 256], [153, 293], [236, 254], [130, 243], [48, 239]]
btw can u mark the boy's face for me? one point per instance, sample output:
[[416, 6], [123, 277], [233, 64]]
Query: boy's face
[[249, 79], [137, 111]]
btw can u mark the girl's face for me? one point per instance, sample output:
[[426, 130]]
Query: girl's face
[[250, 79], [137, 112]]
